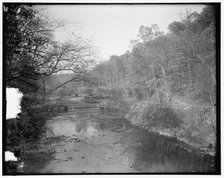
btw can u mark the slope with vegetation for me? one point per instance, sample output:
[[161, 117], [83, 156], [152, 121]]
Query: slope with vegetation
[[171, 77]]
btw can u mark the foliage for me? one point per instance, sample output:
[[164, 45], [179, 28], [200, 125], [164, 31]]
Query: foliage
[[32, 54], [168, 71], [167, 118], [168, 66], [33, 58]]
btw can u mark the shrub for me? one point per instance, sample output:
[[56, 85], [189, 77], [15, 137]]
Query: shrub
[[166, 117]]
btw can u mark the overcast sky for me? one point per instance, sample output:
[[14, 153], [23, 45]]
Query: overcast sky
[[111, 27]]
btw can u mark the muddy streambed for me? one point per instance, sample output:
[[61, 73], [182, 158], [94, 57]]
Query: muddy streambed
[[96, 142]]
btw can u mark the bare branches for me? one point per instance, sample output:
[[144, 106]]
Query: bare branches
[[76, 78], [209, 68]]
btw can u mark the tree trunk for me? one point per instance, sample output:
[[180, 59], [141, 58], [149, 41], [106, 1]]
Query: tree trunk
[[44, 94], [146, 82], [117, 83], [178, 80], [190, 75], [44, 90], [164, 77], [155, 83], [166, 85], [107, 81]]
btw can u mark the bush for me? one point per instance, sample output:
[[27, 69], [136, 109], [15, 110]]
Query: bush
[[112, 93], [166, 117]]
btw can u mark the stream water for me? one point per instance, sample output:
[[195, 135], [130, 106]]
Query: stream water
[[92, 141], [99, 142]]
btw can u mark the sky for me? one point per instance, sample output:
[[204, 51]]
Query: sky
[[111, 27]]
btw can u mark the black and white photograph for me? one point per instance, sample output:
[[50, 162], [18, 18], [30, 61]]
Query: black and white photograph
[[111, 88]]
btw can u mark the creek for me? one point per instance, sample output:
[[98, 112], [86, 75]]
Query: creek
[[88, 140]]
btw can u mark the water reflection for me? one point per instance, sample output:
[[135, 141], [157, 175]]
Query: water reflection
[[150, 152], [155, 153], [69, 128]]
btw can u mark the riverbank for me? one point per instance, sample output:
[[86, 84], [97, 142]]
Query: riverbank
[[104, 142], [94, 140], [184, 124]]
